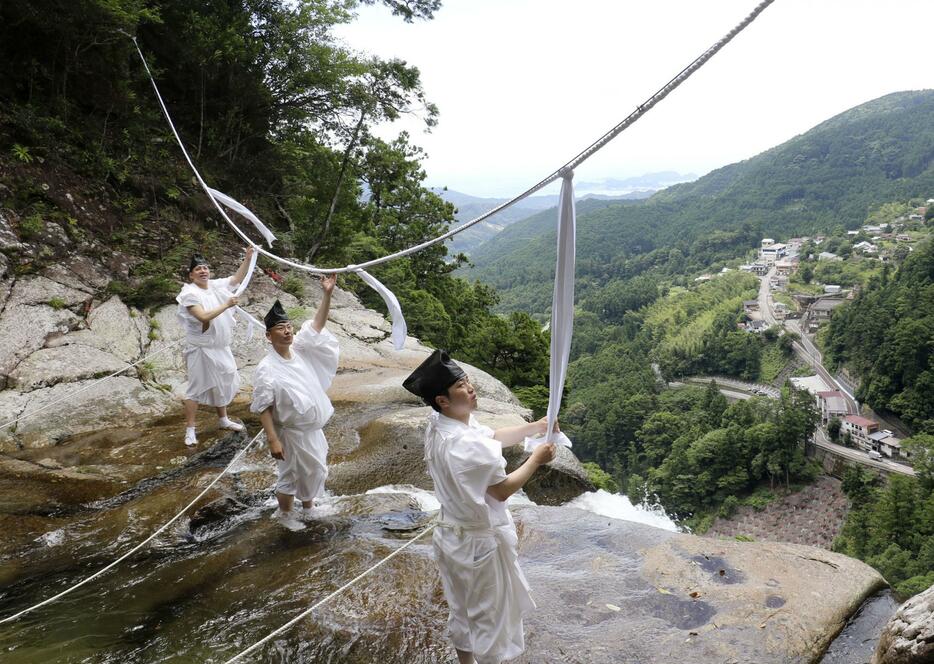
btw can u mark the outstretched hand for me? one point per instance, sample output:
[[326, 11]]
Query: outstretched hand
[[328, 282], [541, 426]]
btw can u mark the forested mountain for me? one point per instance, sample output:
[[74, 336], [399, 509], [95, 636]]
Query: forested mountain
[[831, 176], [886, 339], [470, 207], [275, 111]]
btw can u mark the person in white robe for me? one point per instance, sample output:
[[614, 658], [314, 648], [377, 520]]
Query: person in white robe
[[205, 313], [289, 394], [475, 543]]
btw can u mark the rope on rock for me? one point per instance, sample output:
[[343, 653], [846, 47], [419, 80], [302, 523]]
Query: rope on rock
[[139, 546], [581, 157], [334, 594], [87, 387]]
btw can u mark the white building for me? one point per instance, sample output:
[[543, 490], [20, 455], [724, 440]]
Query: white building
[[773, 252]]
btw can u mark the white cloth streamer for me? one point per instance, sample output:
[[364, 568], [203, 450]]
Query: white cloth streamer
[[243, 210], [399, 327], [562, 310]]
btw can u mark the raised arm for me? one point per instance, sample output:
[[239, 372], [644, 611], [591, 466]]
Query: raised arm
[[321, 317], [515, 435], [240, 274]]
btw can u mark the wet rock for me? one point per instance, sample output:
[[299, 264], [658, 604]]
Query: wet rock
[[119, 399], [612, 591], [32, 489], [216, 511], [858, 640], [909, 636], [50, 366]]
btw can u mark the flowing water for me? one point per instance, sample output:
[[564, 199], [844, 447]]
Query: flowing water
[[228, 573]]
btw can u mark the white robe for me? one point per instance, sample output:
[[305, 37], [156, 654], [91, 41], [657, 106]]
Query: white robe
[[212, 371], [476, 543], [296, 389]]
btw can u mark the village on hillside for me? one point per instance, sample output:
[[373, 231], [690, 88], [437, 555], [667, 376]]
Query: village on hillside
[[803, 280]]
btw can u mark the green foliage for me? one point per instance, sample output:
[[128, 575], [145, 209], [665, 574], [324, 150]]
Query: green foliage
[[600, 478], [534, 397], [773, 358], [883, 337], [890, 526], [728, 507], [833, 429], [759, 499], [921, 448], [273, 107], [914, 585], [293, 285], [21, 153], [298, 315], [31, 227], [57, 303]]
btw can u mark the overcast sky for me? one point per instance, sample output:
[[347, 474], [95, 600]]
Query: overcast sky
[[523, 85]]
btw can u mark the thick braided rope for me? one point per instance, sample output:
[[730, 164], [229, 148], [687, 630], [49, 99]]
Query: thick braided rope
[[139, 546], [334, 594], [87, 387], [641, 110]]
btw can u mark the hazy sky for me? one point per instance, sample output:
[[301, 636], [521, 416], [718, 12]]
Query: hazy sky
[[523, 85]]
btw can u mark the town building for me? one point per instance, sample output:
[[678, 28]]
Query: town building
[[859, 429], [771, 251], [820, 312], [831, 404]]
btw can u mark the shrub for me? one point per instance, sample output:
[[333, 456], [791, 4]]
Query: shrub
[[729, 506], [31, 227], [293, 286], [600, 478]]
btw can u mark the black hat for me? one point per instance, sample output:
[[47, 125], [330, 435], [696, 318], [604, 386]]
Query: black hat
[[196, 260], [275, 316], [433, 376]]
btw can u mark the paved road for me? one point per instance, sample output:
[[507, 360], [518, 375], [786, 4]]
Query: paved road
[[765, 299], [820, 440], [740, 390], [804, 347]]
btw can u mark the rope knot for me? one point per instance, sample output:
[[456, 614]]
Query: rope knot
[[566, 173]]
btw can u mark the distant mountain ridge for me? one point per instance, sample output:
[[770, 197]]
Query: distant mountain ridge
[[470, 207], [834, 174]]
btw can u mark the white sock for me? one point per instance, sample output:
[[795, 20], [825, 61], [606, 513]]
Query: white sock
[[227, 423], [190, 437]]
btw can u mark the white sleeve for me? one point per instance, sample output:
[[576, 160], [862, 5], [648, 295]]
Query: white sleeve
[[321, 349]]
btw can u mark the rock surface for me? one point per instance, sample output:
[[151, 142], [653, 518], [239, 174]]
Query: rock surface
[[98, 469], [909, 636], [64, 364]]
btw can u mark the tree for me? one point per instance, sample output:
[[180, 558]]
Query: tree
[[806, 273], [921, 449], [833, 429]]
